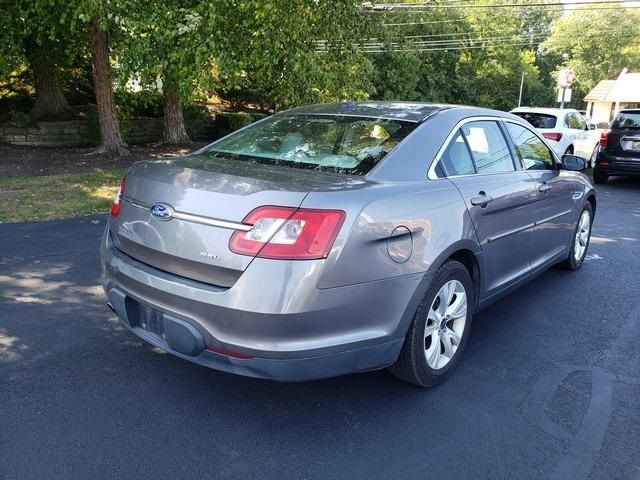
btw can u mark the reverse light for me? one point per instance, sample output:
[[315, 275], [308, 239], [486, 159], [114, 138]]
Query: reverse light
[[117, 201], [288, 233], [604, 138], [555, 136]]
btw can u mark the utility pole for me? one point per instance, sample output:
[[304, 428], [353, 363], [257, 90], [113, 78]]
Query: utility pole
[[521, 85]]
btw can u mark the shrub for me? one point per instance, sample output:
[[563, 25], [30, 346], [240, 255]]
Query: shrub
[[145, 103], [230, 122], [198, 121]]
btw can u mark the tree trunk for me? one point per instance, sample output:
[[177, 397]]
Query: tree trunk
[[174, 129], [50, 99], [112, 141]]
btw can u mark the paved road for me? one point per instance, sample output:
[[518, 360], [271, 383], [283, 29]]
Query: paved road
[[549, 386]]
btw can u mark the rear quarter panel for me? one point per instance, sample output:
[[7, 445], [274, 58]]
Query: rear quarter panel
[[431, 218]]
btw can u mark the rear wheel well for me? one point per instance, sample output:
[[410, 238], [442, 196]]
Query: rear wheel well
[[592, 200], [468, 259]]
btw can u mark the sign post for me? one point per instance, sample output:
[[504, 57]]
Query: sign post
[[566, 76]]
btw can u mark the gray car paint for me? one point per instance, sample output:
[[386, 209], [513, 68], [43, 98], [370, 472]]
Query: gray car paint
[[400, 227]]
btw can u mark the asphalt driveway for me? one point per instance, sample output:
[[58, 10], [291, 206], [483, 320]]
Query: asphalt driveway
[[549, 386]]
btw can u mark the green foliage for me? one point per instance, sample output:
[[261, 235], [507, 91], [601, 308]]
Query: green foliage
[[145, 103], [269, 48], [198, 121], [226, 123], [597, 45], [18, 118]]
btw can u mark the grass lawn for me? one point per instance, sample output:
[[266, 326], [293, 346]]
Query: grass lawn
[[57, 196]]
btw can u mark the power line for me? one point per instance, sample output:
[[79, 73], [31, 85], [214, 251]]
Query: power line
[[389, 7], [486, 42], [577, 9]]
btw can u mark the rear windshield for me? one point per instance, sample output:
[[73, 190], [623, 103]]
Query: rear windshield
[[341, 144], [538, 120], [627, 120]]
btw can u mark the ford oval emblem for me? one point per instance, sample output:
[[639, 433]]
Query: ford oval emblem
[[162, 211]]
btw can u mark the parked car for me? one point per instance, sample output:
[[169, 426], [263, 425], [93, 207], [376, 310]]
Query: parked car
[[565, 130], [340, 238], [619, 147]]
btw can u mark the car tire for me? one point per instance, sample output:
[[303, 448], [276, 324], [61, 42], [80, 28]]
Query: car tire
[[594, 155], [438, 334], [580, 239], [599, 176], [569, 150]]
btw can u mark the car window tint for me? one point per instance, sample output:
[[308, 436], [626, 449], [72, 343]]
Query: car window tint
[[534, 153], [571, 121], [488, 147], [628, 119], [538, 120], [456, 159], [333, 143], [581, 122]]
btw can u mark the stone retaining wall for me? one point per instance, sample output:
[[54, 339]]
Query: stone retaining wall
[[48, 134], [79, 133], [76, 133]]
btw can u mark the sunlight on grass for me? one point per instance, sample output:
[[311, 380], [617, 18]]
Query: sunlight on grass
[[57, 196]]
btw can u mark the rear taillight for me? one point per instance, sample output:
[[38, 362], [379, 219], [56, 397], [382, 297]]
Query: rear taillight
[[555, 136], [117, 201], [604, 138], [288, 233]]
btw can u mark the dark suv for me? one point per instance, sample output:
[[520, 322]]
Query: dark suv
[[619, 147]]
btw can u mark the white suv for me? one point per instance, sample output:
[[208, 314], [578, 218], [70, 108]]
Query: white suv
[[565, 130]]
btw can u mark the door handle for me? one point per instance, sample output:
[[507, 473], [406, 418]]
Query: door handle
[[481, 200], [544, 188]]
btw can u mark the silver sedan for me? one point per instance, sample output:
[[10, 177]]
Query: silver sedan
[[341, 238]]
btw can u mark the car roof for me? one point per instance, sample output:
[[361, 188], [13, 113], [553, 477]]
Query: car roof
[[407, 111], [548, 111]]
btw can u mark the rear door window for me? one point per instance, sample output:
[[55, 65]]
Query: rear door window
[[477, 147], [574, 122], [456, 159], [488, 147]]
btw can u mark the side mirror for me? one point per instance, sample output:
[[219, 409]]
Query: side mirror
[[592, 126], [574, 163]]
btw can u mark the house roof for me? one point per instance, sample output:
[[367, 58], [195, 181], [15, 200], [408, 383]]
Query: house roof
[[600, 91], [626, 88]]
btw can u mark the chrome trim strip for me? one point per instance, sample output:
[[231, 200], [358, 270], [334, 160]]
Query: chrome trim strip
[[188, 217], [553, 217], [510, 232]]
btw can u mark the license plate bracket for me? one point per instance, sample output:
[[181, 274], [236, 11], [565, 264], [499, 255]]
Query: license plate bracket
[[151, 320]]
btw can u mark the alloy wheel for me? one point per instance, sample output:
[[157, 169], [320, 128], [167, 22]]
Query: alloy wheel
[[445, 324], [582, 235]]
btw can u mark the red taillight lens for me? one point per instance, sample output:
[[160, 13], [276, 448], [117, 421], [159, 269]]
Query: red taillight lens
[[604, 138], [117, 201], [555, 136], [288, 233]]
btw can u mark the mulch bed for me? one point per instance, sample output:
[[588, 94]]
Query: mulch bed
[[31, 161]]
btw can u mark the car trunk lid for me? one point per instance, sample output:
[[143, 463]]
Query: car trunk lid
[[207, 200]]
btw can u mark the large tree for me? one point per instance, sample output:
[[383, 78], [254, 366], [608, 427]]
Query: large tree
[[298, 51], [32, 35], [171, 42], [597, 45]]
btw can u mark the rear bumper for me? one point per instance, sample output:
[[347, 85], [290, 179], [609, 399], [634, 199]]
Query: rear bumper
[[288, 329], [616, 165]]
